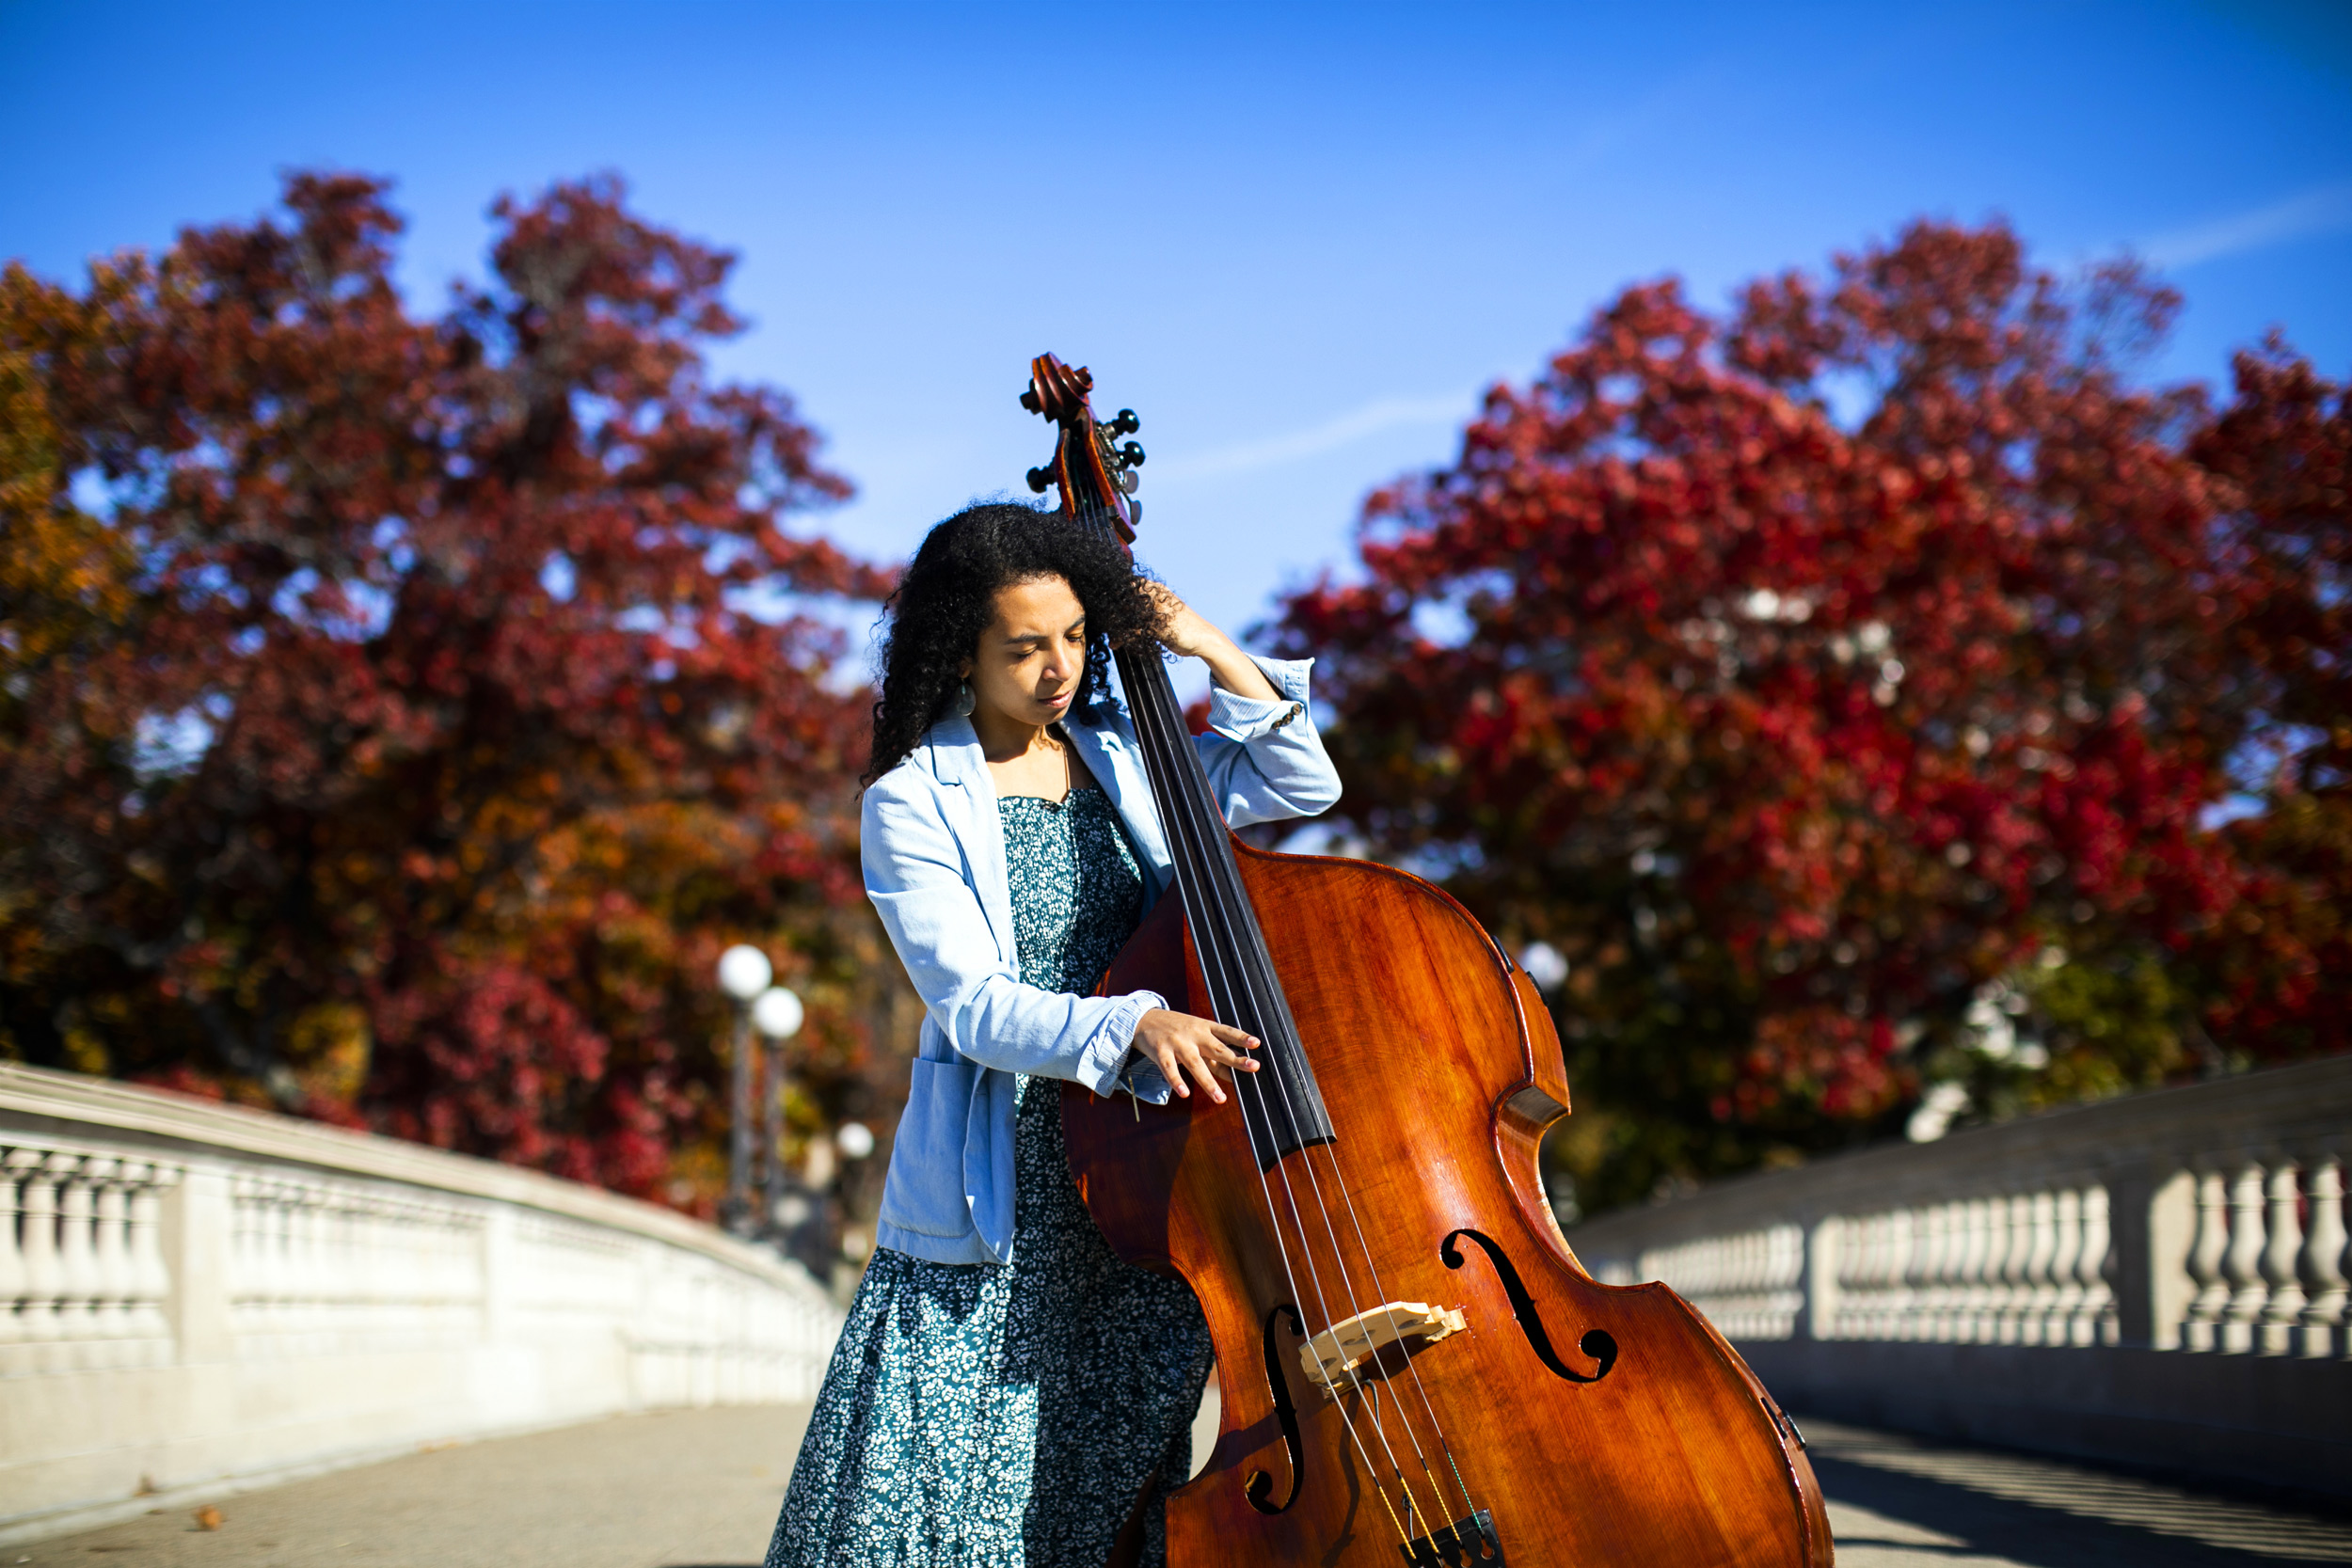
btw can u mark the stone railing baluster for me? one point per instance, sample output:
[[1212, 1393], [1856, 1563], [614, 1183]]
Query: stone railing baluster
[[1739, 1280], [1846, 1281], [1895, 1273], [1789, 1279], [193, 1295], [1951, 1295], [1822, 1306], [1749, 1285], [2101, 1242], [2321, 1267], [1973, 1303], [77, 1259], [44, 1277], [2060, 1289], [1948, 1255], [151, 1276], [1869, 1277], [110, 1243], [2016, 1260], [1855, 1300], [1927, 1240], [2202, 1331], [2283, 1250], [2092, 1322], [243, 1244], [1864, 1300], [1886, 1283], [2242, 1266], [2014, 1240], [13, 1290], [1992, 1298], [2037, 1291]]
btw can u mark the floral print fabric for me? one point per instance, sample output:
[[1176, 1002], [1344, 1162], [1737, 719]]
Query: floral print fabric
[[999, 1415]]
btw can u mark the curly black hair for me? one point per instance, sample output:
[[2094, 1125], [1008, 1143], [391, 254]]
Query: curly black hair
[[949, 596]]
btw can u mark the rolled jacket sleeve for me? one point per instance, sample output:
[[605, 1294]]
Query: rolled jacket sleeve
[[1265, 759]]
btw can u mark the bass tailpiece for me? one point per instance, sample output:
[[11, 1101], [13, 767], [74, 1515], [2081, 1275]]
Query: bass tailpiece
[[1470, 1543]]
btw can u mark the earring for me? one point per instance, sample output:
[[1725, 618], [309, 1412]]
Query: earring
[[963, 705]]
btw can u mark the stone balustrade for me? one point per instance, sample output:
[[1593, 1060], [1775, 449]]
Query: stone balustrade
[[194, 1297], [2158, 1279]]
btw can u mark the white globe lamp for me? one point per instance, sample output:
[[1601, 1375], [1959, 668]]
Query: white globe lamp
[[778, 1013], [1544, 964], [744, 972]]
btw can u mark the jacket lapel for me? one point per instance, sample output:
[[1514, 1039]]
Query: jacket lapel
[[1107, 747], [959, 765]]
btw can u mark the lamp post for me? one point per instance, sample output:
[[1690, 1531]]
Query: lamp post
[[777, 1016], [743, 973]]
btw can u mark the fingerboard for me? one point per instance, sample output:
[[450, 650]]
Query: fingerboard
[[1282, 1104]]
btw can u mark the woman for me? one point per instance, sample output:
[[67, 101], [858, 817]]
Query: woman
[[1006, 1391]]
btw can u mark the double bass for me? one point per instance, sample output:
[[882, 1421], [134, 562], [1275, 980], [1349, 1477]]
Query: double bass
[[1411, 1360]]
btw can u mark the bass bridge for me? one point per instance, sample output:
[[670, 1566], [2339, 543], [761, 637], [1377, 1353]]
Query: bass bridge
[[1332, 1358]]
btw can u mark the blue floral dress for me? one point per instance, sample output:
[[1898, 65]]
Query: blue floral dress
[[1004, 1415]]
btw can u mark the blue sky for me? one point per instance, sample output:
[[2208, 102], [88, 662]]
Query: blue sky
[[1298, 239]]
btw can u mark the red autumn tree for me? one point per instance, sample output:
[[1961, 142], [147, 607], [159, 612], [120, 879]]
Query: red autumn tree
[[1840, 686], [401, 712], [2279, 968]]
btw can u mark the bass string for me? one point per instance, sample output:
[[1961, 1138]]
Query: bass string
[[1244, 944], [1229, 943], [1355, 1302], [1445, 1444], [1239, 930], [1192, 861], [1205, 862], [1268, 984]]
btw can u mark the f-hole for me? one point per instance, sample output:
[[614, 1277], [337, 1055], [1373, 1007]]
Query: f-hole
[[1261, 1485], [1597, 1343]]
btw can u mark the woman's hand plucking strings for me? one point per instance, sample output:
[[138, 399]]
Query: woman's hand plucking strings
[[1182, 1044]]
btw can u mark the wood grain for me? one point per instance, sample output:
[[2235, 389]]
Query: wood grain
[[1438, 1062]]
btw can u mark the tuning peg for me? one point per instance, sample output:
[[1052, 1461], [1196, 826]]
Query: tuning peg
[[1040, 479], [1125, 423], [1132, 456], [1029, 401], [1129, 480]]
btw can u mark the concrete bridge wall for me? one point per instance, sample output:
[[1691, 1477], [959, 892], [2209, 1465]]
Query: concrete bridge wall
[[194, 1295], [2157, 1279]]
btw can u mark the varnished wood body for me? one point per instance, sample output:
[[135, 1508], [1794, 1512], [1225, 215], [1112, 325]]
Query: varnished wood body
[[1441, 1070]]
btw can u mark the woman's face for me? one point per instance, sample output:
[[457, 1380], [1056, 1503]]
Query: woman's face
[[1033, 652]]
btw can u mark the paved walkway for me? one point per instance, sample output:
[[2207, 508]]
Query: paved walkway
[[699, 1489], [1898, 1502]]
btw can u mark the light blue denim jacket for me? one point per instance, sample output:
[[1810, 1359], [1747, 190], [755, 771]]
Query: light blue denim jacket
[[933, 848]]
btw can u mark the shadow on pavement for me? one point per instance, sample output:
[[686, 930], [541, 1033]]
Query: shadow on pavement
[[1922, 1503]]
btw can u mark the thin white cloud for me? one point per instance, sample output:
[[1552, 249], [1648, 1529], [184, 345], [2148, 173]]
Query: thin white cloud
[[1273, 451], [2315, 212]]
